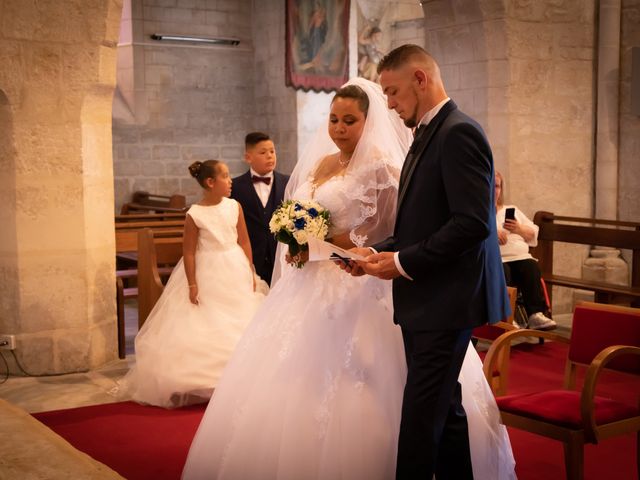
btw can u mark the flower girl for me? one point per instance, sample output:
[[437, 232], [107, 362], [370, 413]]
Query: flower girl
[[208, 301]]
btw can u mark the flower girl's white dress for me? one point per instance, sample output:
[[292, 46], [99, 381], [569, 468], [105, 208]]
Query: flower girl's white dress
[[314, 388], [182, 348]]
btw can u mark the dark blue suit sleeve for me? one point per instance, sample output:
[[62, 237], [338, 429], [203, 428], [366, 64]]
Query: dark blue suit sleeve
[[466, 168], [385, 245]]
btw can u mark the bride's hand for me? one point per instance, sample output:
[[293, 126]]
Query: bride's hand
[[300, 258], [193, 294], [352, 267]]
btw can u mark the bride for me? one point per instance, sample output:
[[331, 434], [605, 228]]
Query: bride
[[314, 388]]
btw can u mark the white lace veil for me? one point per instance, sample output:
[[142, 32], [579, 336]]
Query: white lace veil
[[374, 168]]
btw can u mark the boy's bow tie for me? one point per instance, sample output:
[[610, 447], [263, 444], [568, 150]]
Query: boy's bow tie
[[256, 178]]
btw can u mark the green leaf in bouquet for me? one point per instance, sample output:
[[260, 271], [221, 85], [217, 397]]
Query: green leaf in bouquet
[[284, 236], [294, 248]]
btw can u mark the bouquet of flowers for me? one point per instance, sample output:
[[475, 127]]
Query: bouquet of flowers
[[295, 221]]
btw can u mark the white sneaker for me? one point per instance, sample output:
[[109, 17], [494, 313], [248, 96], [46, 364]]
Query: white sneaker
[[538, 321]]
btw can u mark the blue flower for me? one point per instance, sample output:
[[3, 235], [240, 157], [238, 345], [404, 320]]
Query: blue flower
[[297, 207], [300, 223], [313, 213]]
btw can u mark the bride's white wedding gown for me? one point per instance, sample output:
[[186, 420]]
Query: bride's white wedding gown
[[314, 388]]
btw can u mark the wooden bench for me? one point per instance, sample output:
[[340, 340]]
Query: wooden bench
[[127, 228], [589, 231], [148, 202], [156, 250]]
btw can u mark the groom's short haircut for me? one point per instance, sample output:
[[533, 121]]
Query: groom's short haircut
[[254, 138], [405, 54]]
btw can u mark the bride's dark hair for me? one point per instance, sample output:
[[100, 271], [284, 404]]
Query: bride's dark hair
[[356, 93]]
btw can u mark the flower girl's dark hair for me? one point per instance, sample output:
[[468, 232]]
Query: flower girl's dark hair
[[356, 93], [203, 170]]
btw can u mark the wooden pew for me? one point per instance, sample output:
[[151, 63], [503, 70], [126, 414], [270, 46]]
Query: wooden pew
[[127, 228], [589, 231], [156, 250], [142, 217], [148, 202]]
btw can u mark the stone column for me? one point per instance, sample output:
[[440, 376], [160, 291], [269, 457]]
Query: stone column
[[605, 264], [57, 255], [607, 135]]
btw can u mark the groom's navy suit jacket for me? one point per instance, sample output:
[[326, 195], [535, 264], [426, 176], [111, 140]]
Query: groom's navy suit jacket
[[445, 230], [257, 216]]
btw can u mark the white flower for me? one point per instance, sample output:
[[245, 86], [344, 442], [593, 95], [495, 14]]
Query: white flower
[[300, 236], [284, 220]]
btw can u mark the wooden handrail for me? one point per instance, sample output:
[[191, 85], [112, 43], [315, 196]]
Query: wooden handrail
[[593, 231], [132, 217], [595, 221]]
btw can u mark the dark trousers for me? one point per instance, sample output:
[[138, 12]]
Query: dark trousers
[[434, 437], [525, 276], [264, 269]]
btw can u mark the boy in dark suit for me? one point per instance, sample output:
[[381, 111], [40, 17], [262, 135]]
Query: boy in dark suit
[[260, 191]]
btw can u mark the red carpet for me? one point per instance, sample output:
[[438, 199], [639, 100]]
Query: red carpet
[[152, 443], [138, 442]]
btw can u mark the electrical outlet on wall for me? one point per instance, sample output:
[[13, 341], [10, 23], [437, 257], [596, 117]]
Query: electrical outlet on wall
[[7, 342]]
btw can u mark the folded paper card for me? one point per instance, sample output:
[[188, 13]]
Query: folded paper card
[[321, 250]]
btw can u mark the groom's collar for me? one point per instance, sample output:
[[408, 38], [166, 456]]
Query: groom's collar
[[430, 115]]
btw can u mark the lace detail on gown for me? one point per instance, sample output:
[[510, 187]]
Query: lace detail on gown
[[314, 388]]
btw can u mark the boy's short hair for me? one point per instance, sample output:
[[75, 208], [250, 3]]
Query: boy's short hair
[[253, 138]]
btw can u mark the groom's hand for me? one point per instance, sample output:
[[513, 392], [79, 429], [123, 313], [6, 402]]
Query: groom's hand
[[352, 267], [381, 265]]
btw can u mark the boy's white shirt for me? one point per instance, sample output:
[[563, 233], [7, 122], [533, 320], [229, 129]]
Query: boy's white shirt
[[262, 189]]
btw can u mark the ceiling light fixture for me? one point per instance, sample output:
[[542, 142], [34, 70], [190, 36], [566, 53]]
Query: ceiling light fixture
[[187, 38]]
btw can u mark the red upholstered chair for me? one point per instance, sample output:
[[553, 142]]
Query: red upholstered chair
[[602, 337], [489, 333]]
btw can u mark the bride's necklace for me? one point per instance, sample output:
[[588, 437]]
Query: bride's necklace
[[343, 162]]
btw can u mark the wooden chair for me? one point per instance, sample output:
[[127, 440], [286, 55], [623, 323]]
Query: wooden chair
[[489, 333], [156, 250], [601, 335]]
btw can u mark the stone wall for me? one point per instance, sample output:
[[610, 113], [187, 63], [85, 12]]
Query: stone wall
[[470, 43], [408, 31], [552, 117], [57, 267], [185, 101], [525, 71], [275, 103], [629, 161]]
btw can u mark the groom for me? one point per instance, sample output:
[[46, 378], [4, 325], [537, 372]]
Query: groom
[[444, 260]]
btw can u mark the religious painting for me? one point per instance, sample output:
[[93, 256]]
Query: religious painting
[[373, 36], [317, 44], [369, 52]]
